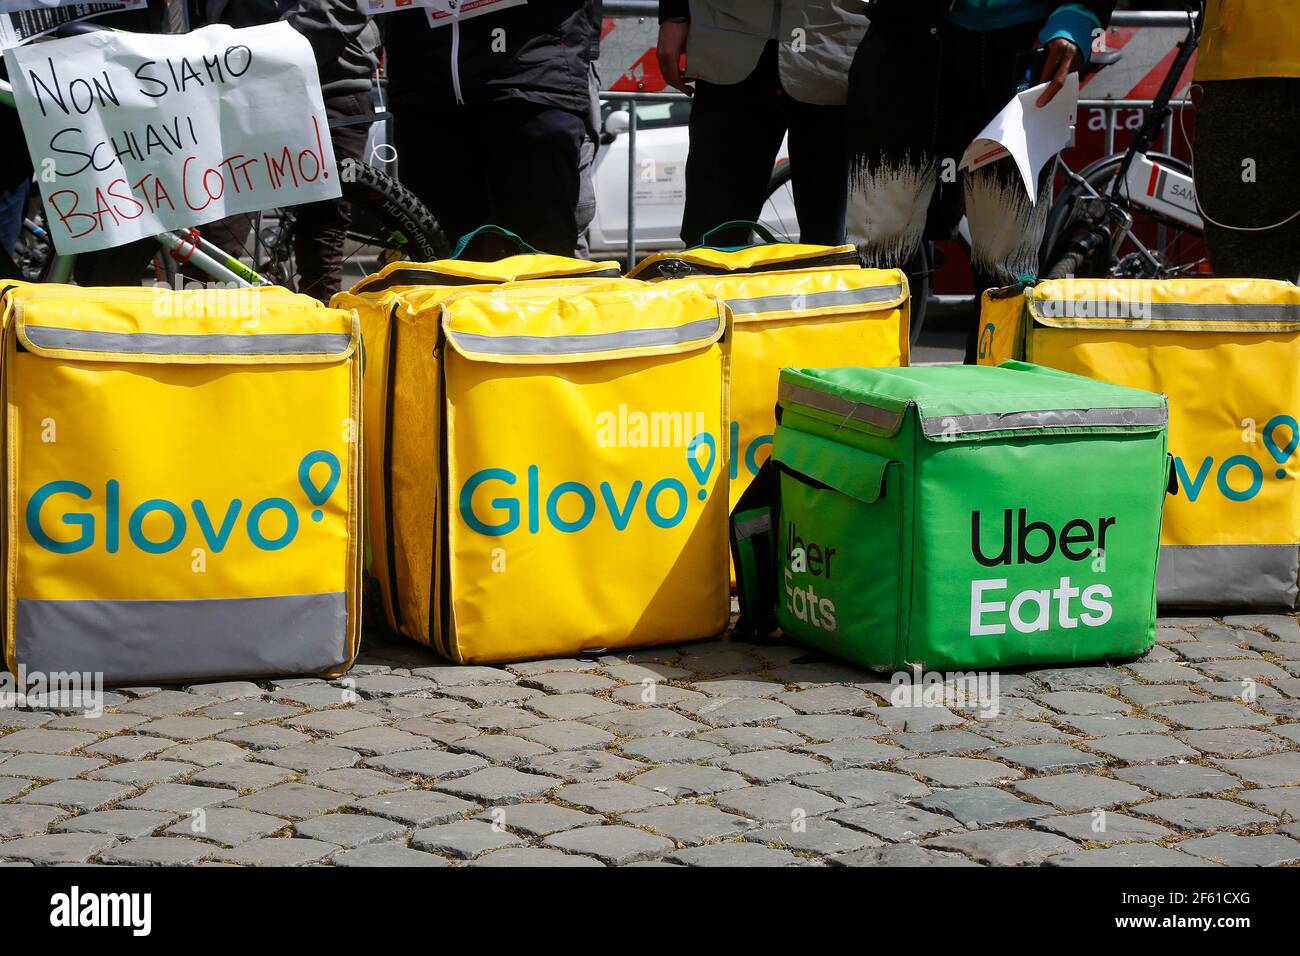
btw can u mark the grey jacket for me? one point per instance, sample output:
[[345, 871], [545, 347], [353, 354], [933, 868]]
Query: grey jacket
[[817, 40]]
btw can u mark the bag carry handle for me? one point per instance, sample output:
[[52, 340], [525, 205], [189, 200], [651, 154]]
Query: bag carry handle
[[763, 232], [492, 230]]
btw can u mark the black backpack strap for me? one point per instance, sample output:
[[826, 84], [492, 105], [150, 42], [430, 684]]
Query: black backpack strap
[[755, 523]]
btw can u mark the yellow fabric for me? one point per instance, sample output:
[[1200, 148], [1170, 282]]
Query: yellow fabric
[[1249, 38], [199, 430], [570, 526], [785, 255], [1001, 328]]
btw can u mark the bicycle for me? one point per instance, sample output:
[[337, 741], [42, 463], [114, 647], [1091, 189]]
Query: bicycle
[[388, 222], [1103, 221]]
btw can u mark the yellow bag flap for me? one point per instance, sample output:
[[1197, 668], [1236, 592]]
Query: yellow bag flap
[[522, 326], [243, 326], [399, 275], [1187, 305], [767, 297], [771, 257]]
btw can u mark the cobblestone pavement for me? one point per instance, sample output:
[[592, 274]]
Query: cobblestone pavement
[[709, 754]]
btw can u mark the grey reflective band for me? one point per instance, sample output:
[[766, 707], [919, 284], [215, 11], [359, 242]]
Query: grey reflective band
[[939, 425], [185, 640], [1233, 312], [1259, 576], [698, 331], [758, 524], [815, 300], [841, 407], [155, 343]]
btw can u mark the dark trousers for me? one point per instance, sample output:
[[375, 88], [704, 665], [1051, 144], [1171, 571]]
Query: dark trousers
[[512, 164], [736, 132], [1248, 175]]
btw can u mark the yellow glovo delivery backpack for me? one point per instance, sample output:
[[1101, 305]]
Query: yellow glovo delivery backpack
[[398, 385], [1227, 353], [181, 505], [800, 306], [578, 488]]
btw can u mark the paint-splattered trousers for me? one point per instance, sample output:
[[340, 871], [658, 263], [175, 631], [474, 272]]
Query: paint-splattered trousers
[[915, 104]]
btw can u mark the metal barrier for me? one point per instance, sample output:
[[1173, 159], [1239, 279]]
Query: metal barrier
[[650, 8]]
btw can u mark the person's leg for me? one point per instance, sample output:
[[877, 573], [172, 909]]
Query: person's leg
[[819, 171], [441, 157], [736, 131], [1248, 176], [322, 227], [532, 175], [15, 179]]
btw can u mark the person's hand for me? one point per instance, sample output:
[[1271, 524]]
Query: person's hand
[[1063, 58], [672, 45]]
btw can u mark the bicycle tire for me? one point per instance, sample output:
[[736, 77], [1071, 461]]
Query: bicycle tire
[[411, 225]]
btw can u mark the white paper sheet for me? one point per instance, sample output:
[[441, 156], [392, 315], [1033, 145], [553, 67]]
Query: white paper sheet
[[1030, 136]]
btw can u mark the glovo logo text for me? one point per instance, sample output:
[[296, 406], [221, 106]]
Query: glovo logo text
[[1241, 477], [497, 501], [752, 453], [52, 511]]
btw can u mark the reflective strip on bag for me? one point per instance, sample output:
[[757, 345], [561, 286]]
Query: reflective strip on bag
[[815, 300], [836, 405], [153, 343], [701, 330], [755, 524], [1131, 314], [938, 425]]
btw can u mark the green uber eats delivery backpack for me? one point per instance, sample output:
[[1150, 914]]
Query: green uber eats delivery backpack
[[956, 517]]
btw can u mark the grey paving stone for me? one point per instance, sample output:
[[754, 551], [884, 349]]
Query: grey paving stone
[[54, 848], [452, 675], [1283, 709], [371, 741], [895, 822], [777, 803], [498, 718], [569, 682], [1154, 695], [205, 753], [1004, 847], [158, 851], [436, 764], [858, 786], [959, 771], [900, 854], [1111, 725], [251, 710], [23, 719], [747, 739], [130, 746], [610, 796], [571, 706], [615, 845], [1242, 692], [1042, 757], [578, 766], [38, 740], [1166, 672], [829, 699], [827, 727], [166, 703], [48, 766], [103, 724], [20, 820], [81, 794], [142, 773], [407, 708], [1276, 770], [358, 781], [1265, 850], [1083, 702], [333, 721], [1080, 791], [1127, 854], [688, 780], [737, 711], [769, 766], [386, 855], [1106, 826], [690, 823], [417, 808], [503, 695], [809, 672], [1283, 801], [1242, 670], [501, 748], [227, 690], [1009, 732], [228, 826], [567, 735], [1006, 707], [538, 819], [293, 801], [646, 722], [192, 727], [1080, 678], [853, 752], [1139, 748], [672, 749], [1282, 626], [554, 665], [1210, 715], [639, 673], [387, 685], [314, 695], [734, 855], [982, 806], [818, 835], [122, 824], [498, 785], [464, 838], [438, 731], [278, 852], [349, 829], [244, 775], [12, 786], [268, 736], [178, 797], [1199, 813], [1201, 651], [740, 687], [1290, 731], [1179, 779], [942, 742], [533, 856], [915, 718]]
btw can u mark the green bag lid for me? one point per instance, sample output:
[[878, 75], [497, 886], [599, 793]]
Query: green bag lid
[[969, 402]]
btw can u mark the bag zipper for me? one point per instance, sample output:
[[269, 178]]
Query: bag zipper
[[680, 268]]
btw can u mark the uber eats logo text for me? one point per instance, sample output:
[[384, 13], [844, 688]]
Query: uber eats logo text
[[495, 502], [816, 560], [159, 525], [1022, 541]]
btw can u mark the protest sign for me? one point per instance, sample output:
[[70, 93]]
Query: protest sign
[[133, 134]]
